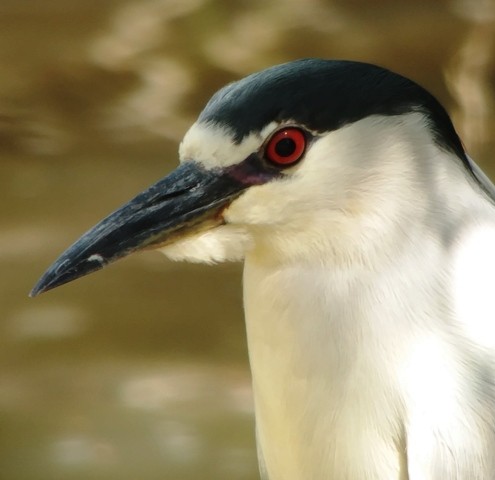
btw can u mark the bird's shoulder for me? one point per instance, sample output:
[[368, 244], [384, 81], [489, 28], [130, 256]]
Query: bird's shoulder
[[472, 267]]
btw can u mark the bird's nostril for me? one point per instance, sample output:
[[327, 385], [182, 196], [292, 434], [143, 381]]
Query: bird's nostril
[[166, 196]]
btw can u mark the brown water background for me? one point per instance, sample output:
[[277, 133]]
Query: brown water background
[[141, 371]]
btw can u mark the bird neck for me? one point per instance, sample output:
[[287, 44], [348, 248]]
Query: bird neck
[[317, 305]]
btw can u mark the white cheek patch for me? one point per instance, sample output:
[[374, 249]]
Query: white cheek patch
[[214, 146], [225, 243]]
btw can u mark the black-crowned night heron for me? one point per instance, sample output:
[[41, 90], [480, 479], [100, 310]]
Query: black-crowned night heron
[[368, 237]]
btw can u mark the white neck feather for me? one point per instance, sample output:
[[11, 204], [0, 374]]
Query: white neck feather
[[332, 304], [347, 287]]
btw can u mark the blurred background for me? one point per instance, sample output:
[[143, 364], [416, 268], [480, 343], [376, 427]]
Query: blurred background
[[141, 371]]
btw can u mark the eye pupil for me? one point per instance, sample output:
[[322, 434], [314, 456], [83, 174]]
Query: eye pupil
[[285, 147]]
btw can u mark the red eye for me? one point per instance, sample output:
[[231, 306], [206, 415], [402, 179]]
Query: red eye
[[286, 147]]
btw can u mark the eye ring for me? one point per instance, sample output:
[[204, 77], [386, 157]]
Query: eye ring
[[286, 146]]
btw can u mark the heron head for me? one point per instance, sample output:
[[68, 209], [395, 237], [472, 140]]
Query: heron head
[[284, 160]]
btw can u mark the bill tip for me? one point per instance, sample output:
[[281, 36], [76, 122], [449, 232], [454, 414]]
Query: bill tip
[[39, 288]]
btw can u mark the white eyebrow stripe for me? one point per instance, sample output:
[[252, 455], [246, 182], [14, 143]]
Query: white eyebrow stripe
[[214, 146]]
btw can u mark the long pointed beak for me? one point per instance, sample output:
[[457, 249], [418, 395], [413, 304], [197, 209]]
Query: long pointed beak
[[191, 198]]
